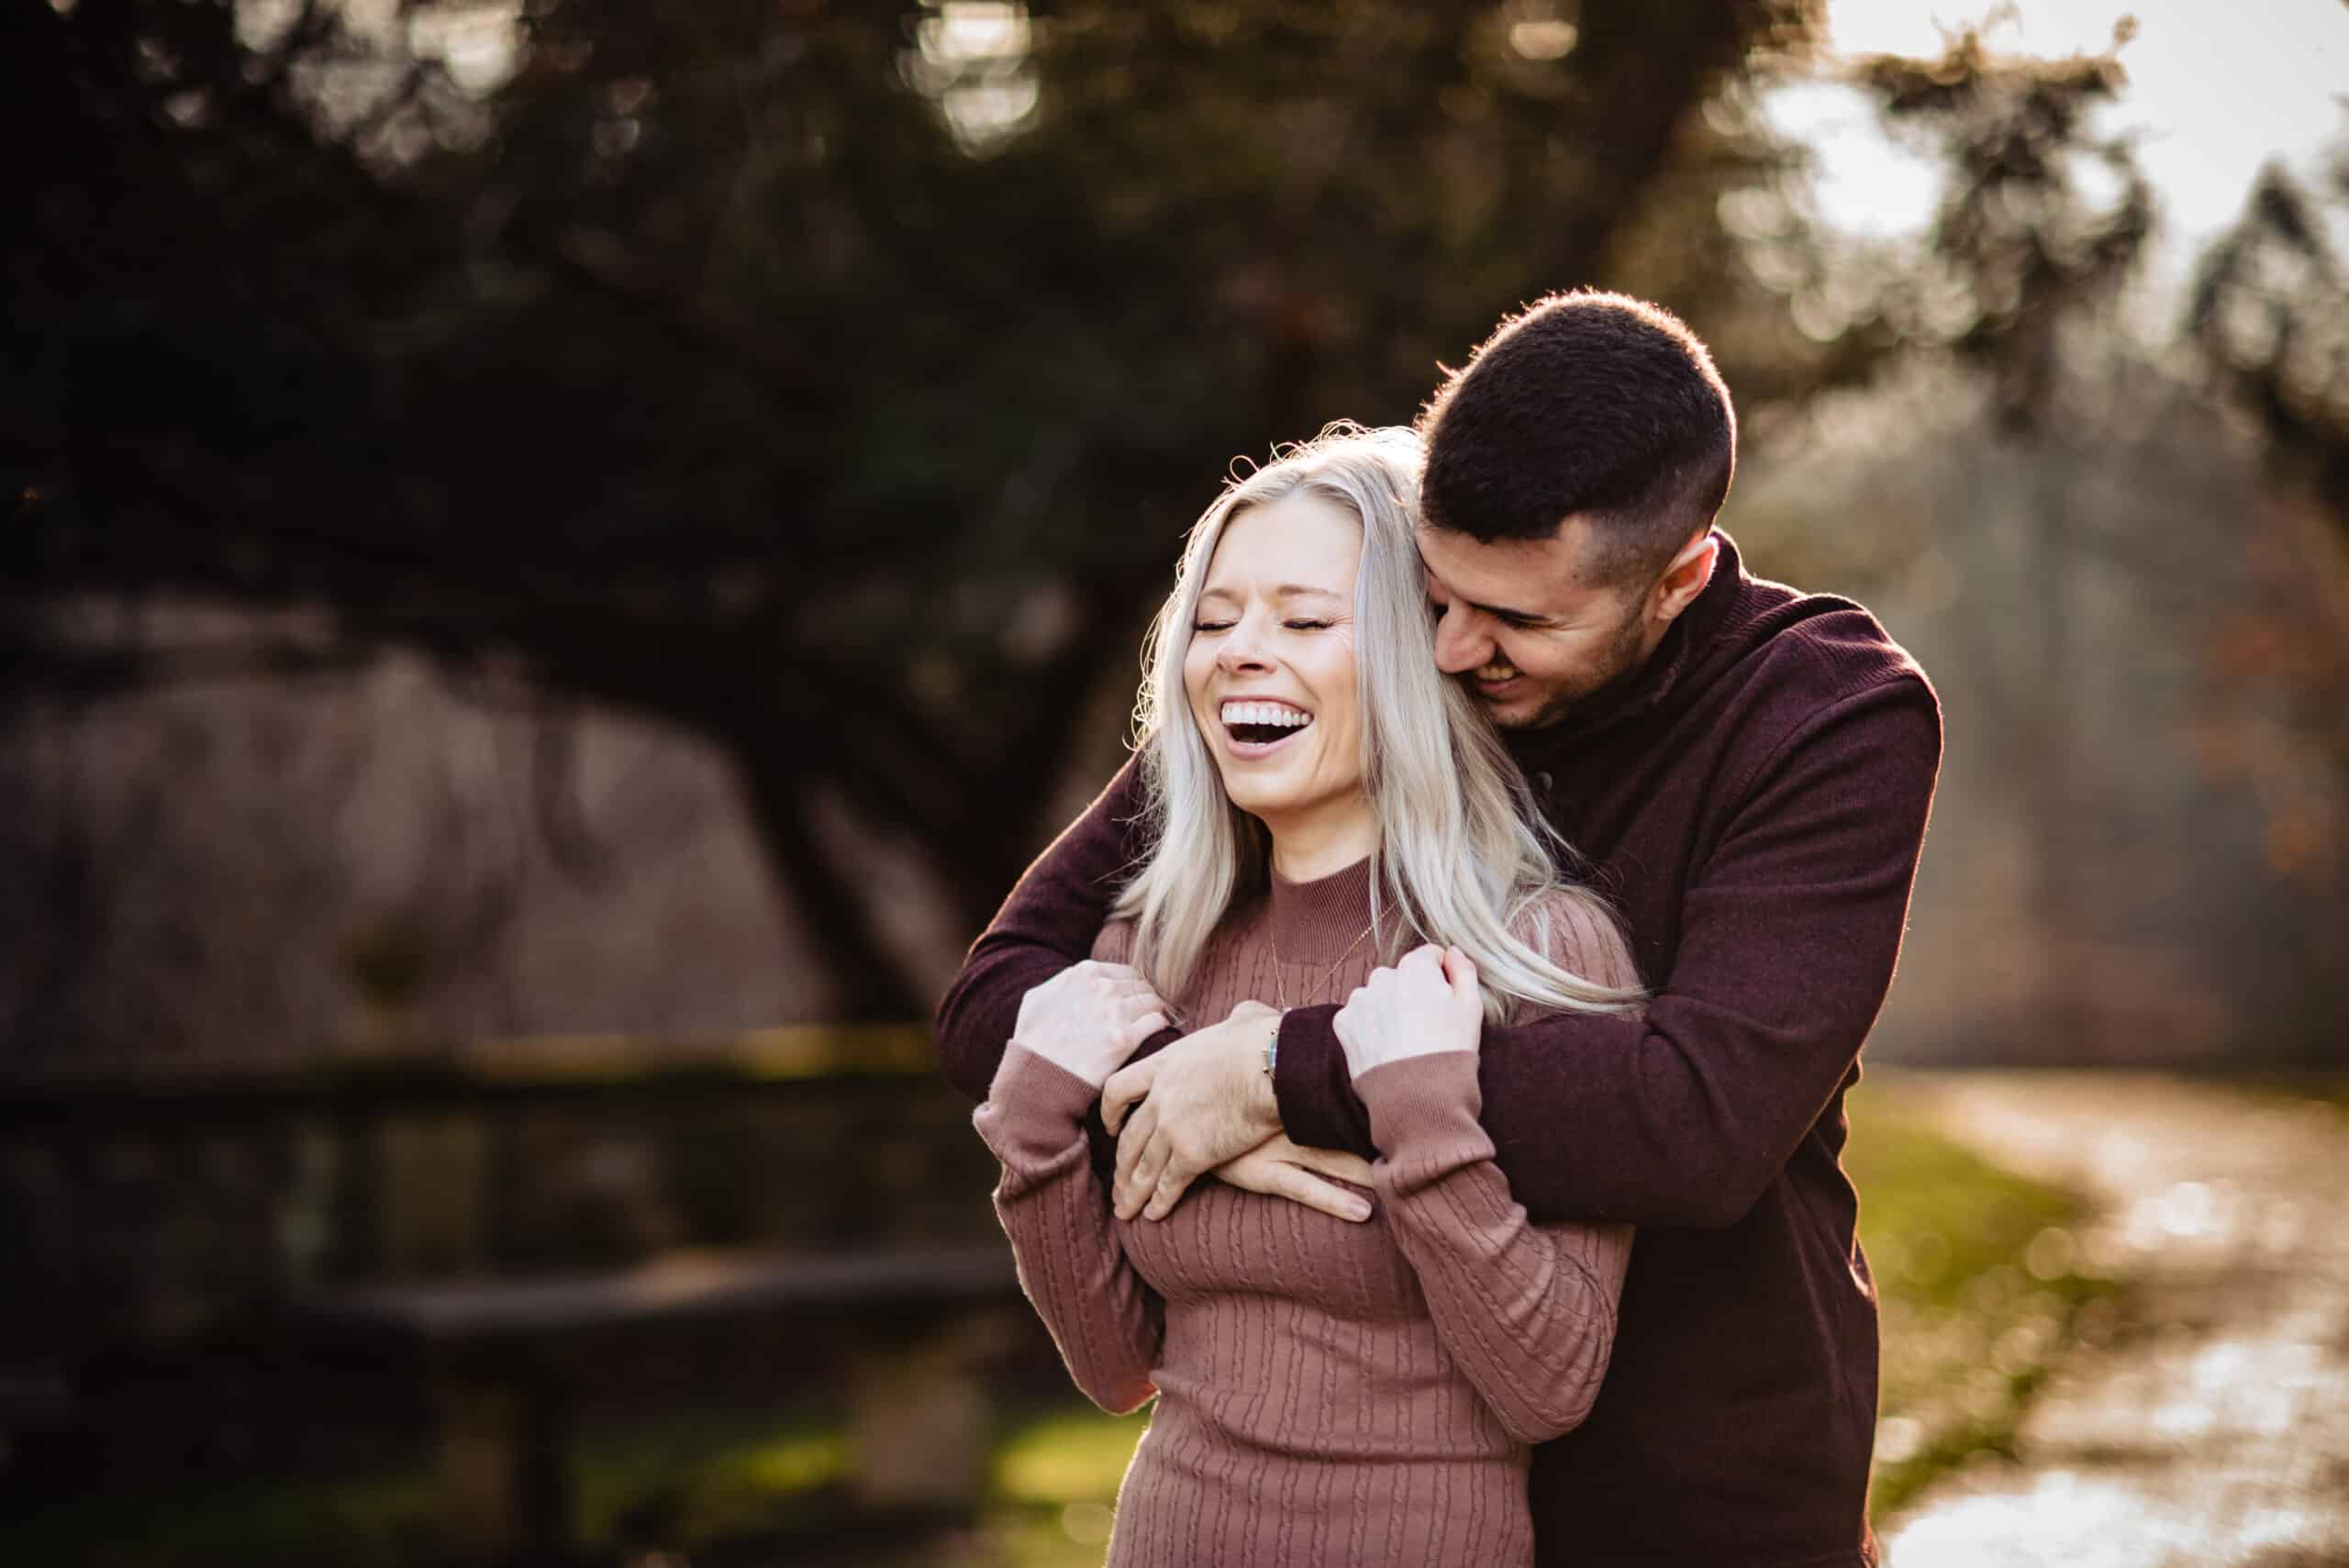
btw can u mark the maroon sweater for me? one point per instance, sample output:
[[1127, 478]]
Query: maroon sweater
[[1753, 799]]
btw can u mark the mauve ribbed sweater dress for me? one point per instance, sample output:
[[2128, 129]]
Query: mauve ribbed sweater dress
[[1328, 1393]]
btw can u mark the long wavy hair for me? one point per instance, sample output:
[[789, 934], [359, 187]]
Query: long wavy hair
[[1462, 858]]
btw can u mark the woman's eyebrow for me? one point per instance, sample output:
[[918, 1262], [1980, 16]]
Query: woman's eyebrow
[[1284, 591]]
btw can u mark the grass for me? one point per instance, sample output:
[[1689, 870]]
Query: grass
[[1982, 1283], [1982, 1286]]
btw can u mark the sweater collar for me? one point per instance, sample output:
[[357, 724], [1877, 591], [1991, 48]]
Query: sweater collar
[[1322, 921]]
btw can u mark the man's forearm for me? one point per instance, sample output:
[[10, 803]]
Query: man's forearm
[[1049, 922], [1315, 1087], [1684, 1117], [1599, 1119]]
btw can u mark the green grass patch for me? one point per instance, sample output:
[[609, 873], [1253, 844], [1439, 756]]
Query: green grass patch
[[685, 1482], [376, 1522], [1055, 1476], [1982, 1285], [688, 1483], [1067, 1456]]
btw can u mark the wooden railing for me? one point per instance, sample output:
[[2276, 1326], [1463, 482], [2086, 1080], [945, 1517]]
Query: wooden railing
[[472, 1212]]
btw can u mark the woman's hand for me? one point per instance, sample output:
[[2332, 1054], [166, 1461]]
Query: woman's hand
[[1278, 1168], [1089, 1017], [1426, 1004]]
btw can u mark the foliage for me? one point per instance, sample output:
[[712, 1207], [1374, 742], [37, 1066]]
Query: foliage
[[2269, 320], [1982, 1283], [830, 382], [2041, 219], [2270, 314]]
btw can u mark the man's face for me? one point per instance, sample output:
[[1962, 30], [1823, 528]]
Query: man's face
[[1527, 628]]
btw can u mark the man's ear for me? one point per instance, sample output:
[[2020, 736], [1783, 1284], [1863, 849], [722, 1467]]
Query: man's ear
[[1686, 577]]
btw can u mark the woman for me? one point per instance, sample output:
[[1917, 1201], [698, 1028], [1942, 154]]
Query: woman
[[1321, 799]]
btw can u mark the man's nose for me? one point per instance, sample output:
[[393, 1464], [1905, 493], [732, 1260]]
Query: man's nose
[[1460, 645]]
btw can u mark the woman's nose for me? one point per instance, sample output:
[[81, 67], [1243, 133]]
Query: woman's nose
[[1244, 646]]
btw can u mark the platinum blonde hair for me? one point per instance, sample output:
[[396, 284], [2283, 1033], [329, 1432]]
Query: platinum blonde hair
[[1462, 859]]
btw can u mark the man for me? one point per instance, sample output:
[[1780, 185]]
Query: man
[[1747, 771]]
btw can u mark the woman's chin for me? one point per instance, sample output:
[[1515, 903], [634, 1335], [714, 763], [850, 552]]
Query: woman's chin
[[1281, 803], [1260, 792], [1259, 797]]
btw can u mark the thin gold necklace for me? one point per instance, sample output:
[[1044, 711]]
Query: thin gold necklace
[[1280, 987]]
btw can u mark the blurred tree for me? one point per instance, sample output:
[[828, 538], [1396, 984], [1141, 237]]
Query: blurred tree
[[2269, 317], [2270, 313], [832, 382], [2041, 220]]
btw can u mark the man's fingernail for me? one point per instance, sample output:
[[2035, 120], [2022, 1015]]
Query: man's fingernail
[[1357, 1211]]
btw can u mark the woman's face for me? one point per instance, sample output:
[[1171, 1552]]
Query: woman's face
[[1270, 671]]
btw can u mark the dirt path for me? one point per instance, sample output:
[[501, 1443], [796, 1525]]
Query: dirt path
[[2215, 1432]]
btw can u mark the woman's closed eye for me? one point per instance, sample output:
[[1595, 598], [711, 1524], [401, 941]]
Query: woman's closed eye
[[1212, 626], [1309, 625]]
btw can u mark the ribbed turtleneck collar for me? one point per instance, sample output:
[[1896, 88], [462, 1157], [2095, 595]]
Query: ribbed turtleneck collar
[[1320, 921]]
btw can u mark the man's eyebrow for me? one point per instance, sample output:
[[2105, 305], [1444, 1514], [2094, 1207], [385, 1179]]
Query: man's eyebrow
[[1499, 611]]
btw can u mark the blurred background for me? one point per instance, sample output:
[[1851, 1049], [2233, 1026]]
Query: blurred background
[[561, 557]]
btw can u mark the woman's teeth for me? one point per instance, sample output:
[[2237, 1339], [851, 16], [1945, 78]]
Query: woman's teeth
[[1265, 713], [1261, 723]]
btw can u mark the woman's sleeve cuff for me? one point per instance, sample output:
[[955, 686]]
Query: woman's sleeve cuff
[[1034, 1109], [1425, 1107]]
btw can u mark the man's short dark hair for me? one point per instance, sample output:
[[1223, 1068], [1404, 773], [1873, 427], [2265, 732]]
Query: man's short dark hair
[[1588, 403]]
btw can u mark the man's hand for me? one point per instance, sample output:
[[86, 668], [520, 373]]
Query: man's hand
[[1278, 1168], [1089, 1017], [1209, 1100], [1426, 1004]]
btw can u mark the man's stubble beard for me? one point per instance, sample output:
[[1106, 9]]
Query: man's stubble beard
[[1622, 660]]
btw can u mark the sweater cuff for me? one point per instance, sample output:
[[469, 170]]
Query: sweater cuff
[[1035, 1109], [1426, 1108]]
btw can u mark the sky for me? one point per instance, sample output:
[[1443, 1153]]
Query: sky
[[2217, 88]]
